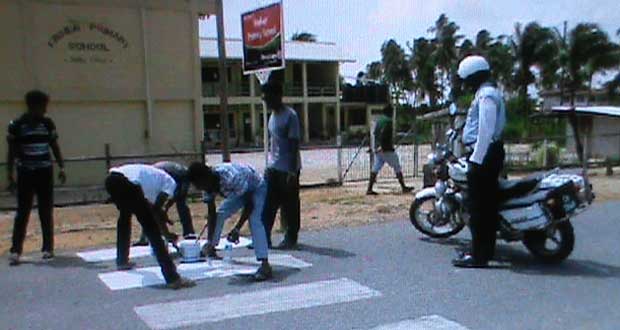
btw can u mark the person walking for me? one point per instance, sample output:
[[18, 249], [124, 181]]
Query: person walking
[[30, 138], [142, 190], [282, 174], [483, 130], [385, 152], [179, 173], [240, 185]]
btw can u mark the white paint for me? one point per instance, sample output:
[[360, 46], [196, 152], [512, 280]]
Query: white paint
[[143, 251], [433, 322], [194, 312], [149, 276]]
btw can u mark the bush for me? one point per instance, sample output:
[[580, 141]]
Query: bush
[[553, 154]]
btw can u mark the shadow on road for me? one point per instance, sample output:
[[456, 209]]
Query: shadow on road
[[325, 251], [280, 274], [64, 261], [522, 262]]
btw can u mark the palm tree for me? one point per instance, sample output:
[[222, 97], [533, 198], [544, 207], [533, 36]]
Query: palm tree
[[445, 52], [422, 63], [374, 71], [395, 68], [483, 40], [304, 37], [532, 45], [589, 50]]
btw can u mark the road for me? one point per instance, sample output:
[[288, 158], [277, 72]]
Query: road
[[384, 276]]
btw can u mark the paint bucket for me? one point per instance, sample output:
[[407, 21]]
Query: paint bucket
[[190, 250]]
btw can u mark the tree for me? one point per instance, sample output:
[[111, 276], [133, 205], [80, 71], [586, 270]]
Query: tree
[[445, 51], [422, 64], [588, 51], [396, 70], [532, 45], [483, 40], [304, 37], [374, 71]]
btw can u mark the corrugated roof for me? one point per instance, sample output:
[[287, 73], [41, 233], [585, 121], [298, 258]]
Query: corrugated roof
[[597, 110], [294, 50]]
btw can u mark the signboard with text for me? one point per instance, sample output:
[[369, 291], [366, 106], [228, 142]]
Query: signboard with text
[[263, 39]]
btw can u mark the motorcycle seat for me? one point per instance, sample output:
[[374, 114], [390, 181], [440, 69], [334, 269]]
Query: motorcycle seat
[[517, 188]]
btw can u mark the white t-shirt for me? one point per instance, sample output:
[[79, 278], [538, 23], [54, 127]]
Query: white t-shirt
[[152, 180]]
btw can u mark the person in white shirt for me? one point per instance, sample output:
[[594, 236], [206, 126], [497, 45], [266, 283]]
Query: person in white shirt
[[483, 130], [142, 190]]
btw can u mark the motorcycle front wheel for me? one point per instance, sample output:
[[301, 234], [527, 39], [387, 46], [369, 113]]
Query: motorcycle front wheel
[[551, 246], [426, 219]]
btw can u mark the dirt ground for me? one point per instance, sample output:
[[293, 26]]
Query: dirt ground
[[78, 228]]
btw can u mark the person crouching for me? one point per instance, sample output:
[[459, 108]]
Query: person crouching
[[142, 190], [239, 185]]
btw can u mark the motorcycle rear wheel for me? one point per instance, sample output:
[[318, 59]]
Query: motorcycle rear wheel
[[424, 222], [540, 243]]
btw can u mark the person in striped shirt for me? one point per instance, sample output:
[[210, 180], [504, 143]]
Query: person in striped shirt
[[30, 138]]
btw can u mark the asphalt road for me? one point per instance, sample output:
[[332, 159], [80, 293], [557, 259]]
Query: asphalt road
[[412, 275]]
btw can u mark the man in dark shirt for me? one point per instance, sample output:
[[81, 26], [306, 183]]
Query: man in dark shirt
[[179, 173], [30, 138], [385, 152]]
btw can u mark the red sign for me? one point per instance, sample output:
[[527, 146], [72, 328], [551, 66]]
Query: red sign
[[263, 39]]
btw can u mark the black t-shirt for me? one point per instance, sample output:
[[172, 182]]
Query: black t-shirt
[[31, 138]]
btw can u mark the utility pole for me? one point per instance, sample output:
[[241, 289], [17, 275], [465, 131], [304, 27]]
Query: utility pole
[[221, 42]]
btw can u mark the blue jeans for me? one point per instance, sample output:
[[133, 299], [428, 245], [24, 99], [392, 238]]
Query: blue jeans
[[233, 204]]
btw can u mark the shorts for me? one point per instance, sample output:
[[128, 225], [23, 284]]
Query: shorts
[[389, 157]]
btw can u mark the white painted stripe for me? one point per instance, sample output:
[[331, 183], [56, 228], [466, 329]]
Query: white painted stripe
[[144, 251], [193, 312], [433, 322], [149, 276]]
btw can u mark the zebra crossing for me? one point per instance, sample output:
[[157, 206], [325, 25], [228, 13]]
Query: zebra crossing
[[201, 312]]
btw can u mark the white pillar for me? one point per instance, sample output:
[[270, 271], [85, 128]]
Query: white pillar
[[324, 119], [338, 99], [304, 70]]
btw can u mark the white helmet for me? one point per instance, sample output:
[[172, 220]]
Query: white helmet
[[471, 65]]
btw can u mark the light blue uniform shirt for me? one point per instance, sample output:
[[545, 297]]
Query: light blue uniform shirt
[[486, 120]]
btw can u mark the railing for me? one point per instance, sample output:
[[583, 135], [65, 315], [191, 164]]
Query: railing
[[213, 90]]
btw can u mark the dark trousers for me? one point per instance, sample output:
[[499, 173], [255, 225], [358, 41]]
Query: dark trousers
[[29, 183], [284, 196], [484, 203], [129, 199], [185, 216]]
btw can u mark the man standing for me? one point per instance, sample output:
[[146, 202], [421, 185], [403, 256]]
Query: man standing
[[179, 173], [282, 174], [30, 138], [240, 185], [142, 190], [384, 151], [483, 132]]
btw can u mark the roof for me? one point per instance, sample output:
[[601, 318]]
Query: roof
[[294, 50], [594, 111]]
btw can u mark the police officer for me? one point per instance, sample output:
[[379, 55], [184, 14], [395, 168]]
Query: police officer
[[483, 132]]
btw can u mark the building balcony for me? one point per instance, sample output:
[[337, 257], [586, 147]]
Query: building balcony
[[290, 90]]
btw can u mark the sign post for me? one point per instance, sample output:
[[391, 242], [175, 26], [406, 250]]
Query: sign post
[[263, 50]]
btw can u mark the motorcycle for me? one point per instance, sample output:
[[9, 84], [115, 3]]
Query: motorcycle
[[535, 210]]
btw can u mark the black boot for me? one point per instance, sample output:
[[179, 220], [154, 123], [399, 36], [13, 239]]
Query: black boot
[[401, 180], [371, 183]]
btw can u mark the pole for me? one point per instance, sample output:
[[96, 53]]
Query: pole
[[265, 135], [221, 43]]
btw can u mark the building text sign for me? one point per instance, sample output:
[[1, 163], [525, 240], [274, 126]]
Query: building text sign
[[263, 39], [88, 42]]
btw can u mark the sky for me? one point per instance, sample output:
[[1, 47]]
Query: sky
[[361, 26]]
